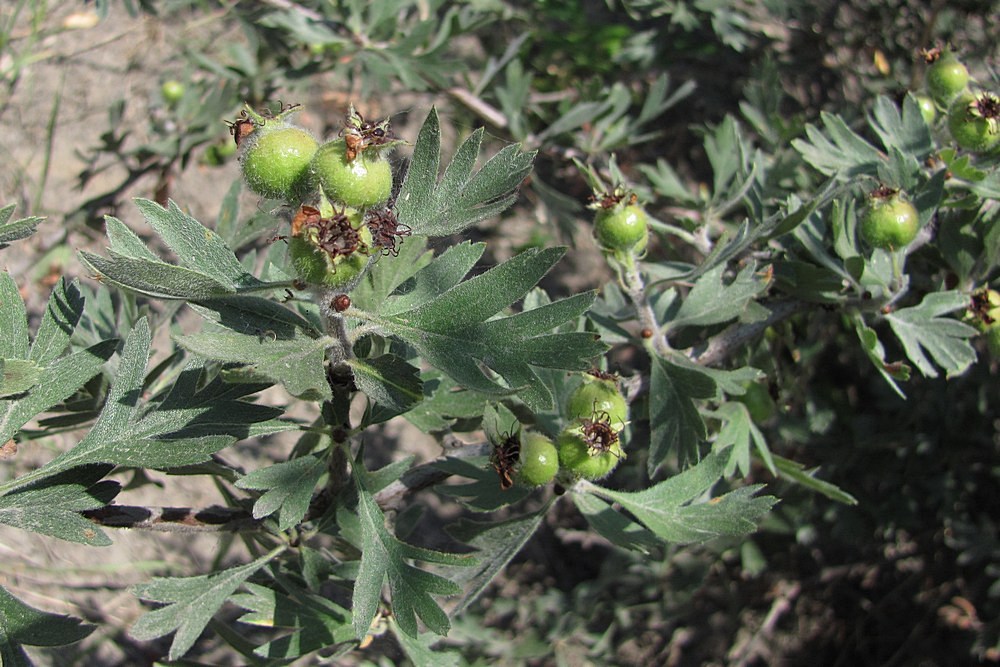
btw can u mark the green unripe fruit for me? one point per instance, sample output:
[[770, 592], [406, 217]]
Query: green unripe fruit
[[172, 91], [988, 302], [539, 460], [275, 162], [946, 78], [578, 457], [362, 182], [218, 153], [974, 122], [342, 262], [315, 267], [984, 310], [624, 228], [594, 399], [927, 108], [889, 222]]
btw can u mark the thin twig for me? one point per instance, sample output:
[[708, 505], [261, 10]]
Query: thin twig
[[424, 476], [753, 648], [634, 285], [488, 113], [174, 519], [296, 7], [217, 519], [737, 335]]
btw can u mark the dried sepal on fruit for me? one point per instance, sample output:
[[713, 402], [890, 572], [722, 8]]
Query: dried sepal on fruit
[[974, 121], [598, 432], [242, 127], [505, 457], [386, 230], [984, 314], [329, 250], [598, 395], [579, 457], [984, 308], [362, 135]]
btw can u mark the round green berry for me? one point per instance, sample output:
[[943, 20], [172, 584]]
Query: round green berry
[[927, 108], [889, 222], [172, 91], [275, 162], [581, 459], [623, 227], [974, 121], [331, 251], [316, 267], [361, 182], [946, 78], [598, 399], [539, 460]]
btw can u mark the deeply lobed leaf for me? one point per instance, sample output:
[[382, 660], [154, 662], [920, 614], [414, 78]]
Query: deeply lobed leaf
[[462, 198], [453, 332], [667, 509], [383, 558], [190, 603]]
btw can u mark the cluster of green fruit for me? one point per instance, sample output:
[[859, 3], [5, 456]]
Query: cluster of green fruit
[[588, 448], [340, 190], [973, 119], [973, 115]]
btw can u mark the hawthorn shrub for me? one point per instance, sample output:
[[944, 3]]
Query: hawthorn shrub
[[828, 267]]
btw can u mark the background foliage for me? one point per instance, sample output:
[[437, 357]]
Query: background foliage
[[752, 132]]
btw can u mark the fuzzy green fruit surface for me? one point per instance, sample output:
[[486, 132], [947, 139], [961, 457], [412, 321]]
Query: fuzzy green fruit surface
[[969, 128], [596, 398], [946, 78], [315, 267], [623, 228], [539, 460], [575, 456], [363, 182], [275, 162], [927, 108], [890, 223]]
